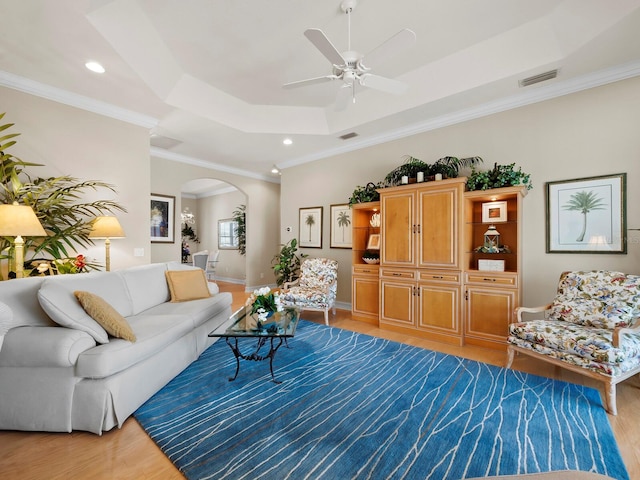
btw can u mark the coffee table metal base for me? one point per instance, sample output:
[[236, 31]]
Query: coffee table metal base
[[255, 354]]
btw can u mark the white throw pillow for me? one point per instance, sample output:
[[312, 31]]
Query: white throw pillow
[[63, 308]]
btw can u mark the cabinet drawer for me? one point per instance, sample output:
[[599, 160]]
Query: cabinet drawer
[[491, 278], [440, 276], [397, 273], [365, 270]]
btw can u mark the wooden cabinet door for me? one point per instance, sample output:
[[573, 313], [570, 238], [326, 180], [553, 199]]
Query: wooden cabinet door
[[398, 227], [365, 297], [488, 313], [397, 302], [438, 308], [438, 232]]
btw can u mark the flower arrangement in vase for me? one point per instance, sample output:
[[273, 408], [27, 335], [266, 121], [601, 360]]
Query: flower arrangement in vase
[[264, 302]]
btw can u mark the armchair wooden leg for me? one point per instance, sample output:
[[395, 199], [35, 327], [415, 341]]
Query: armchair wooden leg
[[610, 398], [510, 353], [326, 317]]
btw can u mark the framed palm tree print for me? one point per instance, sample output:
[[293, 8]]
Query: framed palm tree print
[[587, 215], [310, 227], [340, 226]]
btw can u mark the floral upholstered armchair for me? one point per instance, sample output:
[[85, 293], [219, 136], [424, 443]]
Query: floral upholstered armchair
[[315, 289], [592, 328]]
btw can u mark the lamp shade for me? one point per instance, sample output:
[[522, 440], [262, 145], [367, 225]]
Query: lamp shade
[[19, 220], [106, 227]]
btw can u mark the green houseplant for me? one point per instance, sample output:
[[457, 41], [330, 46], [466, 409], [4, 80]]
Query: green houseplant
[[499, 176], [449, 167], [57, 202], [240, 217], [409, 168], [368, 193], [286, 264]]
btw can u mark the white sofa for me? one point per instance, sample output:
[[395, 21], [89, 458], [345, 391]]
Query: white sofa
[[59, 379]]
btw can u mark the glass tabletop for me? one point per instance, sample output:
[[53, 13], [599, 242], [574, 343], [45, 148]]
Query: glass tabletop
[[280, 324]]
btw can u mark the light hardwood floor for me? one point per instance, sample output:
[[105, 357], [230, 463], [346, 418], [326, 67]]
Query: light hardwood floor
[[128, 453]]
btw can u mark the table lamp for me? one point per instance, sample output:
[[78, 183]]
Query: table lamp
[[17, 220], [106, 227]]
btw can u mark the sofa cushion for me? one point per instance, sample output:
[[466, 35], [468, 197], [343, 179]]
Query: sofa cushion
[[103, 313], [147, 286], [21, 295], [57, 299], [186, 285], [600, 299], [67, 312], [153, 333], [198, 311]]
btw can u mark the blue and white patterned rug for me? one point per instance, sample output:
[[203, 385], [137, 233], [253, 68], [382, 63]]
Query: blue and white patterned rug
[[353, 406]]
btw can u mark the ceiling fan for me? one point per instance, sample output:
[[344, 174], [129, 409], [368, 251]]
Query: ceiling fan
[[349, 66]]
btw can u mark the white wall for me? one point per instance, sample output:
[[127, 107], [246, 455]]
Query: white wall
[[70, 141], [231, 265], [585, 134]]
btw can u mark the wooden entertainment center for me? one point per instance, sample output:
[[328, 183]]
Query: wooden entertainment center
[[433, 238]]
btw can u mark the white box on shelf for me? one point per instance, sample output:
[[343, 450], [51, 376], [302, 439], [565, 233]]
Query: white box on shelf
[[491, 265]]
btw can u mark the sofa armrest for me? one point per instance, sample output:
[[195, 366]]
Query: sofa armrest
[[30, 346], [622, 330], [521, 310]]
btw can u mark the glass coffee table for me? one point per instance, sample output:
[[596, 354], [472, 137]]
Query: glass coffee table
[[275, 330]]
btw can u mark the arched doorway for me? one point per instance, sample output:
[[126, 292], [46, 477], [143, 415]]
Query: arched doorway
[[209, 202]]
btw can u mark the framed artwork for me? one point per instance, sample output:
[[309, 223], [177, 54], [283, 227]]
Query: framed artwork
[[374, 242], [494, 212], [587, 215], [340, 226], [162, 218], [310, 227], [228, 234]]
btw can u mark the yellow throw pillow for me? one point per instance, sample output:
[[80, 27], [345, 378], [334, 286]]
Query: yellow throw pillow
[[107, 316], [186, 285]]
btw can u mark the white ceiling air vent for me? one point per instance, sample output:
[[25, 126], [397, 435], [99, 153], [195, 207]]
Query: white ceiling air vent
[[541, 77], [347, 136]]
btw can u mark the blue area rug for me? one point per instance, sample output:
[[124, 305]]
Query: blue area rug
[[354, 406]]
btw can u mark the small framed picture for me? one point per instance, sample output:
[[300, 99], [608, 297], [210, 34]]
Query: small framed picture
[[162, 218], [374, 242], [494, 212], [340, 226], [310, 227]]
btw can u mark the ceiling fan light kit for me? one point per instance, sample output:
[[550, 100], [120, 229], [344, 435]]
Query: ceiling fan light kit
[[349, 66]]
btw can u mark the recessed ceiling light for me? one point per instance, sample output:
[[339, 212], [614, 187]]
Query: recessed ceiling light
[[95, 67], [287, 141]]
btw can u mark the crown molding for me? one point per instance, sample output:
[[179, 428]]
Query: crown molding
[[178, 157], [539, 94], [38, 89]]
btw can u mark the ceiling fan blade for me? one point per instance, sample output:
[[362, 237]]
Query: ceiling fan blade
[[384, 84], [309, 81], [403, 39], [322, 43], [345, 93]]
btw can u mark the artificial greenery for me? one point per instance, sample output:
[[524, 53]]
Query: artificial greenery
[[56, 202], [240, 217], [448, 166], [499, 176], [368, 193], [409, 168], [286, 264]]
